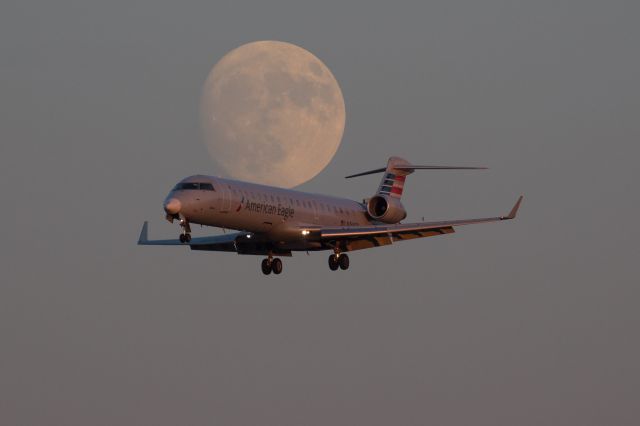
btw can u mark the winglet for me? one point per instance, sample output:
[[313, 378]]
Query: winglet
[[144, 233], [514, 210]]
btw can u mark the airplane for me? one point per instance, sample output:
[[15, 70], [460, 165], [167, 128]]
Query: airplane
[[274, 222]]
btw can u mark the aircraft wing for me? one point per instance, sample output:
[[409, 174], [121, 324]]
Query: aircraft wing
[[224, 242], [359, 237]]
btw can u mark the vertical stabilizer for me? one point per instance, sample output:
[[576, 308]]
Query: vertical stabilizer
[[392, 183]]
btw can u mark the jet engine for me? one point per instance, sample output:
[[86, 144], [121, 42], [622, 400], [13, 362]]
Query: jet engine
[[386, 209]]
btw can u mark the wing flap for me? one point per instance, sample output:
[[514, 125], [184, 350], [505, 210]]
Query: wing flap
[[402, 236]]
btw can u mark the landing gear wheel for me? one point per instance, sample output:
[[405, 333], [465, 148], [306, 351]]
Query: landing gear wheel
[[266, 267], [185, 237], [333, 262], [276, 266], [343, 260]]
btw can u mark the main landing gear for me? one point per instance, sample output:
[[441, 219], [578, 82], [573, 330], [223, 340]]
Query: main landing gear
[[338, 260], [274, 264], [271, 265]]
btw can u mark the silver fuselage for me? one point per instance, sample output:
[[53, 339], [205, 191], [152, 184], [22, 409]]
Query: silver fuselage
[[276, 214]]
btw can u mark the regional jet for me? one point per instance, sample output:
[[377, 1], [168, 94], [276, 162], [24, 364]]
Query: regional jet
[[274, 222]]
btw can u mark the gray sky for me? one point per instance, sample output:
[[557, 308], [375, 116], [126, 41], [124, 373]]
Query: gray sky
[[531, 322]]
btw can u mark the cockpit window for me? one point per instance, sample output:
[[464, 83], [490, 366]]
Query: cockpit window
[[187, 185], [193, 185]]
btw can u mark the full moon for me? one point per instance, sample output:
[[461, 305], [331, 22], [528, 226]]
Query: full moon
[[272, 113]]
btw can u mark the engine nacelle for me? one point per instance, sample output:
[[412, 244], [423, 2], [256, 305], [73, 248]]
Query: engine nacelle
[[386, 209]]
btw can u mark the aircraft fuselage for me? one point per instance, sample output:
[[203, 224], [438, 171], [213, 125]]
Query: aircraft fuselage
[[276, 212]]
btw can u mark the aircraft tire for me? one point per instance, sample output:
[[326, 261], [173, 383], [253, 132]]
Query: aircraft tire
[[266, 266], [183, 238], [187, 237], [343, 260], [276, 266], [333, 262]]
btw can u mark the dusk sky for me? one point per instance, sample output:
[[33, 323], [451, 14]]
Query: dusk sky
[[527, 322]]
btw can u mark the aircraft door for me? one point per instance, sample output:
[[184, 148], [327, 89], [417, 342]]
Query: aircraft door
[[224, 201]]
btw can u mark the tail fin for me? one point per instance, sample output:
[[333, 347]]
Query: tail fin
[[397, 170], [392, 182]]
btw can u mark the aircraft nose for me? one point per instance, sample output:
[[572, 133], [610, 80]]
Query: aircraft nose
[[172, 206]]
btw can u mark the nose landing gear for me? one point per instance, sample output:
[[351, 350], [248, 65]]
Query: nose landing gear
[[185, 236]]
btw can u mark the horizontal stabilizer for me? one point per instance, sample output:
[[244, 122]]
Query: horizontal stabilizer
[[409, 168]]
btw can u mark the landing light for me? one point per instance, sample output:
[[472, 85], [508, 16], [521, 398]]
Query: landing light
[[306, 232], [248, 235]]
